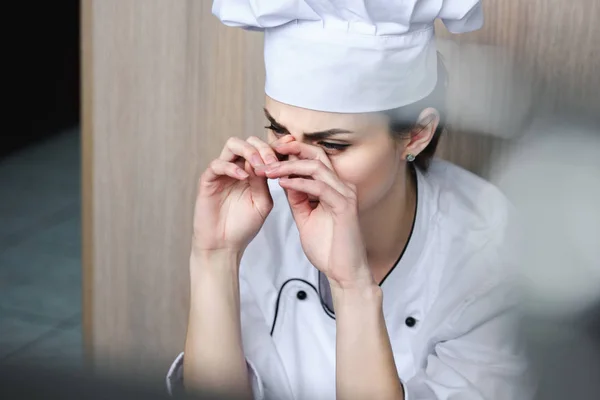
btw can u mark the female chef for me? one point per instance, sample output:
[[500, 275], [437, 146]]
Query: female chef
[[336, 259]]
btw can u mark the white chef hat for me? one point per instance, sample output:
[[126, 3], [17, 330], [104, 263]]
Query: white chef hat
[[350, 56]]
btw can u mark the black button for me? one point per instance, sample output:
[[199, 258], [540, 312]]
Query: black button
[[301, 295], [410, 322]]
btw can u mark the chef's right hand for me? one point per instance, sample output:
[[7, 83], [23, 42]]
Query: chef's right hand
[[233, 200]]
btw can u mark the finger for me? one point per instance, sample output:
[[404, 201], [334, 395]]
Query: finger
[[299, 204], [308, 168], [236, 148], [266, 152], [282, 140], [303, 151], [327, 195], [218, 168], [261, 196]]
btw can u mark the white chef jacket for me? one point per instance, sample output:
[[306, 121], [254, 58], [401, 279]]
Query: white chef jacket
[[448, 302]]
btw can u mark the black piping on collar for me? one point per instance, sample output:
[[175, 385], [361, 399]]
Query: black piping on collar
[[331, 313], [412, 228], [279, 298]]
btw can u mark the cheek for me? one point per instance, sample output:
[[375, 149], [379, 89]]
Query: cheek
[[373, 169]]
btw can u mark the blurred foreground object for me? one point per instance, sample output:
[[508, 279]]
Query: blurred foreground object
[[553, 178], [489, 92]]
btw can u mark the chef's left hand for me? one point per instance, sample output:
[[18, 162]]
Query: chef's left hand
[[330, 233]]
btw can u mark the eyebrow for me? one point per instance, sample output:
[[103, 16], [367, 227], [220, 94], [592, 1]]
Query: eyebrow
[[320, 135]]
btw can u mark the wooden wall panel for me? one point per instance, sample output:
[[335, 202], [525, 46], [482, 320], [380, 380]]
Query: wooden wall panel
[[164, 84]]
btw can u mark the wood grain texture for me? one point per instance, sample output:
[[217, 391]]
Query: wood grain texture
[[165, 84]]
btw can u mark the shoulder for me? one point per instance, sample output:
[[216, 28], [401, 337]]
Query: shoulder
[[474, 232], [465, 205]]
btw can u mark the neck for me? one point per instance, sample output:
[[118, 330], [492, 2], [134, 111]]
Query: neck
[[386, 227]]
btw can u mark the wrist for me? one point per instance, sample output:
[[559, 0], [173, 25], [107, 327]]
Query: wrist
[[220, 261], [358, 295], [361, 280], [215, 256]]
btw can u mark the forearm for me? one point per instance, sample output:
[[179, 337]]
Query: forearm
[[364, 358], [214, 358]]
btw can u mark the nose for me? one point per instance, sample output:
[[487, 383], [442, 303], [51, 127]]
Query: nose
[[285, 157], [290, 157]]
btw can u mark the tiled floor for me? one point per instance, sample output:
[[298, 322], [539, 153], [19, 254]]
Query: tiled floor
[[40, 267]]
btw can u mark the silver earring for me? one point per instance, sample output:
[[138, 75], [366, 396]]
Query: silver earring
[[410, 157]]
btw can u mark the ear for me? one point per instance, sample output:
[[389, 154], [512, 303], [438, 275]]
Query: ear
[[423, 132]]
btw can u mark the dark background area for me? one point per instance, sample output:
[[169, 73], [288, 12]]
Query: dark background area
[[43, 72], [40, 189]]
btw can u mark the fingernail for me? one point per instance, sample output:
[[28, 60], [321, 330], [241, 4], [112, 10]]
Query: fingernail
[[256, 160], [242, 173], [271, 159]]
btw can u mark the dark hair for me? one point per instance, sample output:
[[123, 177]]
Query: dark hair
[[403, 120]]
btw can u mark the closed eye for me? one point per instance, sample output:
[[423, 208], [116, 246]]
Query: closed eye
[[334, 146], [277, 129], [280, 131]]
